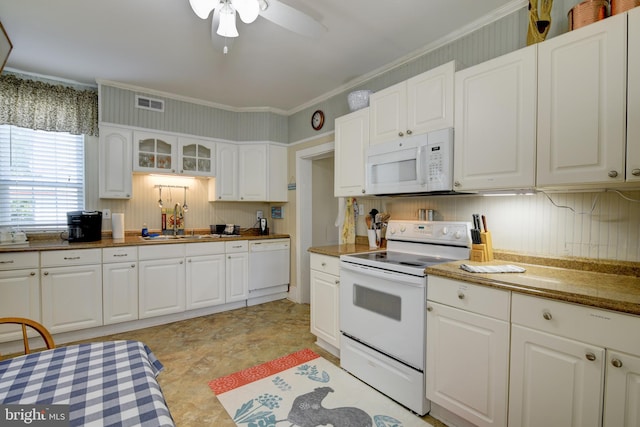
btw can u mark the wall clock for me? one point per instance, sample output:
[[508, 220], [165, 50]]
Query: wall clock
[[317, 119]]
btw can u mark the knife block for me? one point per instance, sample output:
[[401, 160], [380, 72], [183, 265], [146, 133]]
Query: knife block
[[482, 252]]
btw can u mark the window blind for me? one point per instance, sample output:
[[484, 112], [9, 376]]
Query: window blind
[[41, 177]]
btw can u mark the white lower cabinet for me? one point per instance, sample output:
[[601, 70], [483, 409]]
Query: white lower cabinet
[[161, 280], [237, 270], [555, 381], [19, 290], [468, 350], [205, 275], [572, 365], [120, 284], [71, 288], [325, 299]]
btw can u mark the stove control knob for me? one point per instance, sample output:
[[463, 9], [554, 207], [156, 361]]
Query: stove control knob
[[457, 234], [445, 231], [403, 228], [391, 230]]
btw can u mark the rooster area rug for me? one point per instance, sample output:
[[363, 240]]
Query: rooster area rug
[[306, 390]]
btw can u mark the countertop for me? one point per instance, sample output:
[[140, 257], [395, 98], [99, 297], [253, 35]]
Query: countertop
[[129, 240], [610, 285]]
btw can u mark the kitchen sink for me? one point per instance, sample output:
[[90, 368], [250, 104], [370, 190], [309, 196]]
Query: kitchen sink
[[181, 237]]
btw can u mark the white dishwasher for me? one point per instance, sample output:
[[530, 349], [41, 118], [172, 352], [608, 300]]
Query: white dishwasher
[[268, 270]]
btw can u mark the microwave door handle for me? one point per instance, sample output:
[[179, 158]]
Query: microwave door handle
[[419, 175]]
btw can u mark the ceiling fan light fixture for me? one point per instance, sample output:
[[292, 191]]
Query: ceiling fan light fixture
[[202, 8], [227, 27], [263, 5], [247, 9]]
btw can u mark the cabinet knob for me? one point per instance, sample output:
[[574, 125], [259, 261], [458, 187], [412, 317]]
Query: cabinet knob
[[324, 264], [547, 315], [613, 174], [457, 184], [590, 357], [46, 273], [635, 172], [617, 363], [337, 282], [363, 191], [33, 273], [133, 266], [429, 308], [181, 262], [409, 131], [400, 134], [460, 295]]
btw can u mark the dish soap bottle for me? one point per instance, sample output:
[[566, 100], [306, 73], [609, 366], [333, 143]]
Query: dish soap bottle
[[145, 231]]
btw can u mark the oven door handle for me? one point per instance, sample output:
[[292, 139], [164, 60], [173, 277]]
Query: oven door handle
[[408, 279]]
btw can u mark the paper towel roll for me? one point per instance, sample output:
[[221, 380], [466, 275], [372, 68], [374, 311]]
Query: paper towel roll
[[117, 225]]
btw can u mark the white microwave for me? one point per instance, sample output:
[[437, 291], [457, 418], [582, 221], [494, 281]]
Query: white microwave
[[415, 164]]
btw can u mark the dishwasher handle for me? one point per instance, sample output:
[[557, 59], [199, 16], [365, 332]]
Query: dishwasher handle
[[268, 246]]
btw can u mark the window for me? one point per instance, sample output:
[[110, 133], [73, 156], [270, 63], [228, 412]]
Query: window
[[41, 177]]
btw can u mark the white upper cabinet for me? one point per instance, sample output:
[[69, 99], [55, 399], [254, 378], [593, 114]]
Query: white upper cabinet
[[250, 172], [633, 98], [495, 123], [197, 157], [582, 81], [154, 152], [351, 141], [418, 105], [114, 166]]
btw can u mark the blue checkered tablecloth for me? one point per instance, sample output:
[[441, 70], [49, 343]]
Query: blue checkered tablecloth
[[104, 383]]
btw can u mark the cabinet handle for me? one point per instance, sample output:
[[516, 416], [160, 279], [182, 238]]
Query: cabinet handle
[[119, 255], [429, 308], [460, 295], [590, 357], [547, 315], [613, 174], [400, 134], [635, 172], [7, 262], [33, 273], [71, 258], [617, 363], [409, 131]]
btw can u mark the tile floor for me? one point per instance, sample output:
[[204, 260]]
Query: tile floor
[[198, 350]]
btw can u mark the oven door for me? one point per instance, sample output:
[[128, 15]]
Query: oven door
[[384, 310]]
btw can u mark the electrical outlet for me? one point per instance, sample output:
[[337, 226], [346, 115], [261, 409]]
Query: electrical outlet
[[106, 214], [259, 215]]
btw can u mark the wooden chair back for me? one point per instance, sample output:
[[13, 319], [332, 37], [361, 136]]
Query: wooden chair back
[[44, 333]]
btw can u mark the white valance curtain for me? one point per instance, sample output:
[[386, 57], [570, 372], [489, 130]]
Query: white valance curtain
[[43, 106]]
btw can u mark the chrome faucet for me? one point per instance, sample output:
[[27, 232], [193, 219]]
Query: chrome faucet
[[176, 209]]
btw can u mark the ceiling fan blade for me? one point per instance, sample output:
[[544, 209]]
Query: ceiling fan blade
[[292, 19]]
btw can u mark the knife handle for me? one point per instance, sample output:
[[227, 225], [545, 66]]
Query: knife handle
[[484, 223]]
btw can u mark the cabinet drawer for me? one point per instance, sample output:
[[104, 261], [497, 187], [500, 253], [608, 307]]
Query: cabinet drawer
[[469, 297], [326, 263], [161, 251], [593, 325], [71, 257], [18, 260], [208, 248], [119, 254], [236, 246]]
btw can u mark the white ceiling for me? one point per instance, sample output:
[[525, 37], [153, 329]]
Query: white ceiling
[[163, 46]]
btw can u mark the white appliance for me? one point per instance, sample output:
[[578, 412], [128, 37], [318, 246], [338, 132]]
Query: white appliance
[[383, 298], [268, 270], [414, 164]]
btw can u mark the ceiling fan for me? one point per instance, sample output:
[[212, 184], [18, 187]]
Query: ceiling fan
[[224, 16]]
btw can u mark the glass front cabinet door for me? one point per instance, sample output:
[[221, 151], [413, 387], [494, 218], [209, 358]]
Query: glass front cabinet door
[[154, 153], [196, 157]]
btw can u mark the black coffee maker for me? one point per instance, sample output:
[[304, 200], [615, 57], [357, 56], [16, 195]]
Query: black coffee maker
[[84, 226]]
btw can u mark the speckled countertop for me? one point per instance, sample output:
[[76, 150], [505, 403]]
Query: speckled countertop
[[609, 285], [44, 244]]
